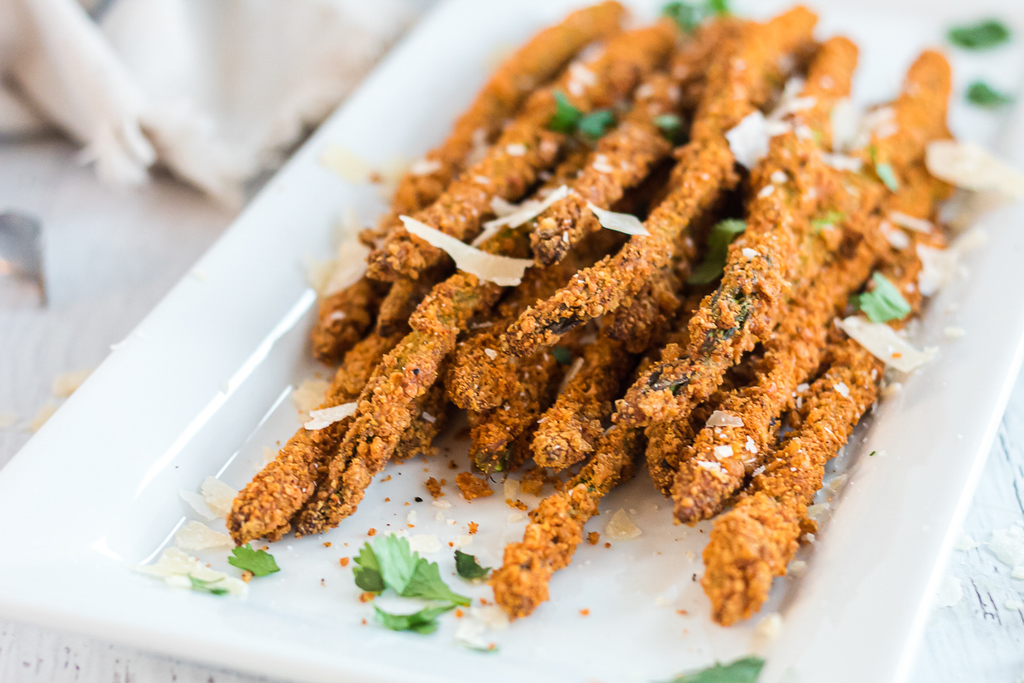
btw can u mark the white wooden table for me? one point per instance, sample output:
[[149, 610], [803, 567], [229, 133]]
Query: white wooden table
[[111, 255]]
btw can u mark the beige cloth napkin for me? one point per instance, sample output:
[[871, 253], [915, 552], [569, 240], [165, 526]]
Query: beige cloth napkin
[[213, 90]]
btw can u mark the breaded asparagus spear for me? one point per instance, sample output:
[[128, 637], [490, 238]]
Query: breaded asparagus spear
[[740, 79]]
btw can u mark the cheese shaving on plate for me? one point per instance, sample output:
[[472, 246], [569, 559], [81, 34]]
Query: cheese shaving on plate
[[175, 567], [940, 266], [973, 168], [621, 528], [501, 270], [218, 495], [197, 536], [884, 344], [626, 223], [318, 419]]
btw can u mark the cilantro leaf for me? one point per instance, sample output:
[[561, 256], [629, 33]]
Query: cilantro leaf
[[259, 562], [884, 302], [671, 126], [594, 124], [984, 95], [827, 220], [745, 670], [426, 583], [422, 622], [207, 586], [719, 240], [467, 566], [367, 570], [688, 15], [566, 116], [562, 355], [979, 36]]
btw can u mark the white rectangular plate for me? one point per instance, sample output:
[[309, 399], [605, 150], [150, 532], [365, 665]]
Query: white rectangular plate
[[201, 387]]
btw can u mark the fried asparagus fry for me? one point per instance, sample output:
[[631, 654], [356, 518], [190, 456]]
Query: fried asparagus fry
[[526, 147], [739, 80], [403, 298], [556, 525], [266, 506], [418, 438], [628, 153], [346, 316]]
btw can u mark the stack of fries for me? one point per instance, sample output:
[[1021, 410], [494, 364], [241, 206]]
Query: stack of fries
[[687, 343]]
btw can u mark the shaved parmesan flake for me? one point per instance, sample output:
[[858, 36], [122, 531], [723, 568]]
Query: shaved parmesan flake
[[516, 150], [523, 213], [910, 222], [723, 451], [751, 446], [713, 468], [846, 120], [748, 253], [175, 567], [501, 270], [897, 238], [778, 177], [197, 536], [218, 495], [511, 489], [621, 528], [477, 623], [346, 163], [841, 162], [198, 503], [424, 543], [766, 191], [308, 395], [950, 592], [490, 353], [973, 168], [842, 389], [749, 139], [425, 166], [66, 383], [884, 344], [347, 268], [500, 207], [318, 419], [722, 419], [625, 223]]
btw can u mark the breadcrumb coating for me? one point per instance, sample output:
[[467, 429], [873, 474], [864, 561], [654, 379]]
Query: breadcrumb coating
[[740, 78], [344, 318]]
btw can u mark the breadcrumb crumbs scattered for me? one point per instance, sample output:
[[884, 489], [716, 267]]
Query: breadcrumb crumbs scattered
[[473, 487], [371, 532], [387, 478], [516, 503], [593, 536], [247, 576], [366, 596], [364, 622], [584, 612], [344, 561], [682, 612], [327, 544], [473, 527], [485, 601], [434, 487], [388, 500], [607, 545], [459, 614]]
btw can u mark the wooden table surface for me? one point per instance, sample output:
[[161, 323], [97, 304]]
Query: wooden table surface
[[111, 254]]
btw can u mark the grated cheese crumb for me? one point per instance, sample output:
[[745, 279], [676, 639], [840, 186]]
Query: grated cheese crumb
[[748, 253], [720, 418], [621, 528], [723, 451], [769, 627], [842, 389]]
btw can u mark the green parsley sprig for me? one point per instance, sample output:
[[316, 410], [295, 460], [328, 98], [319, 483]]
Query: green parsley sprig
[[884, 302], [390, 563], [982, 94], [745, 670], [980, 36], [671, 126], [713, 265], [207, 586], [468, 568], [827, 220], [688, 15], [570, 119], [259, 562]]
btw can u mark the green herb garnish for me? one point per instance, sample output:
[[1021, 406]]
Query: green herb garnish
[[562, 355], [259, 562], [884, 302], [467, 566], [887, 176], [689, 15], [827, 220], [872, 453], [671, 126], [984, 95], [595, 124], [566, 117], [422, 622], [390, 563], [719, 240], [207, 586], [744, 670], [980, 36]]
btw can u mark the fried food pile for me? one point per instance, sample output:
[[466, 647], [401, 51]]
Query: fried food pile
[[691, 217]]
